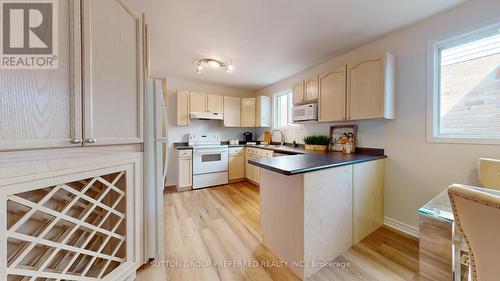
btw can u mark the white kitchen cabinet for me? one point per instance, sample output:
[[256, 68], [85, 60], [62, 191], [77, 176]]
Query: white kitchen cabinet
[[248, 112], [232, 112], [215, 104], [43, 108], [332, 95], [198, 102], [63, 201], [263, 111], [95, 96], [371, 88], [113, 73], [184, 169], [311, 89], [182, 108], [298, 93], [236, 163]]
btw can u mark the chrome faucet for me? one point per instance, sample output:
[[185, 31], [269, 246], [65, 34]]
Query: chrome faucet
[[282, 136]]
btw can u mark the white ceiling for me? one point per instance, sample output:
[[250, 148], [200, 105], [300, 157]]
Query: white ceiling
[[268, 40]]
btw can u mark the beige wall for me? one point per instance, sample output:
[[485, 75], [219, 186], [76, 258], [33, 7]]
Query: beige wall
[[416, 170], [179, 133]]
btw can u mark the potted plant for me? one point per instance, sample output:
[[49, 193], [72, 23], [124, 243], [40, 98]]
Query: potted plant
[[309, 141], [321, 143]]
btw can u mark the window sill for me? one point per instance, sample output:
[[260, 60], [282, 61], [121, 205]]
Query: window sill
[[445, 140]]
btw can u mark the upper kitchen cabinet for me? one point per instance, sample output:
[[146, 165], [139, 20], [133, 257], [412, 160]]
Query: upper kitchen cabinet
[[248, 112], [42, 108], [201, 102], [332, 95], [182, 108], [232, 112], [263, 111], [215, 104], [197, 102], [311, 88], [113, 73], [298, 93], [370, 88]]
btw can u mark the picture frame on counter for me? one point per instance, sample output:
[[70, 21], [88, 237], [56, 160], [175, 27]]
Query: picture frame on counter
[[343, 138]]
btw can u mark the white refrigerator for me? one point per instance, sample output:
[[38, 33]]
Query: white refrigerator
[[155, 167]]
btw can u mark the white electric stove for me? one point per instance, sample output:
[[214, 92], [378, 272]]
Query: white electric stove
[[210, 160]]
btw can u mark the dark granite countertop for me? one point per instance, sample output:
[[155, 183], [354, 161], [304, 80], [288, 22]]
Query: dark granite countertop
[[314, 161], [182, 145], [301, 161]]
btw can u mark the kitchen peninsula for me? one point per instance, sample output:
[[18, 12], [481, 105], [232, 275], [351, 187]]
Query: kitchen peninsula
[[315, 206]]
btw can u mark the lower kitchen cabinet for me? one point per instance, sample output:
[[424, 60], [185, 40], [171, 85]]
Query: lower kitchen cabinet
[[368, 198], [184, 169], [252, 172], [236, 167], [236, 163]]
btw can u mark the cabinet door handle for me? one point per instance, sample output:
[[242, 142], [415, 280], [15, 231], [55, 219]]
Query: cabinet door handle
[[90, 140], [76, 141]]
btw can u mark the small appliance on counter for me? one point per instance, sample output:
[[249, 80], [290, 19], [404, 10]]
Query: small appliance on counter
[[248, 136]]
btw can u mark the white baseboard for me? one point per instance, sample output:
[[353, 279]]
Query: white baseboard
[[403, 227]]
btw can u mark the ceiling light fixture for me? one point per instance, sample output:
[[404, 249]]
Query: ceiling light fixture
[[213, 63]]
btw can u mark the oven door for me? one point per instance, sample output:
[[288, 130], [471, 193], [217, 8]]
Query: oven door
[[210, 160]]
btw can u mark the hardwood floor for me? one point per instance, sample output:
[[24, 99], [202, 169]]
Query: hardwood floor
[[221, 225]]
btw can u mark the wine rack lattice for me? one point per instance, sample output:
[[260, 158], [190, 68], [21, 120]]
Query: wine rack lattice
[[71, 231]]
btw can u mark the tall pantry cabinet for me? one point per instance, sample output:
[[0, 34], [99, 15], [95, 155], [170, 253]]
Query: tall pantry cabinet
[[95, 97]]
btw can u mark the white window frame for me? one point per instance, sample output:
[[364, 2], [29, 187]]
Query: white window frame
[[275, 110], [433, 86]]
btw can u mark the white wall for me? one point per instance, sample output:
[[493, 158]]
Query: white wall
[[179, 133], [416, 170]]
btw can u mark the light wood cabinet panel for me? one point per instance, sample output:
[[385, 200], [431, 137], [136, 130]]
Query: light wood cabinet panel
[[232, 112], [198, 102], [332, 95], [311, 89], [368, 198], [42, 108], [215, 103], [248, 112], [370, 88], [184, 170], [236, 167], [113, 73], [298, 93], [263, 111], [182, 108]]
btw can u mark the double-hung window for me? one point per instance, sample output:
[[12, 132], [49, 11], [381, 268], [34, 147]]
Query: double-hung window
[[283, 110], [464, 93]]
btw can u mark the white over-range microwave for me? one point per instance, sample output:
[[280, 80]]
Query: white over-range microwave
[[305, 112]]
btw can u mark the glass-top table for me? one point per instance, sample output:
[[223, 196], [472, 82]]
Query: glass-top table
[[440, 207]]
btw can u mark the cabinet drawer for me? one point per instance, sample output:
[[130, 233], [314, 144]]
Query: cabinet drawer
[[185, 153], [236, 151], [265, 153], [250, 150]]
